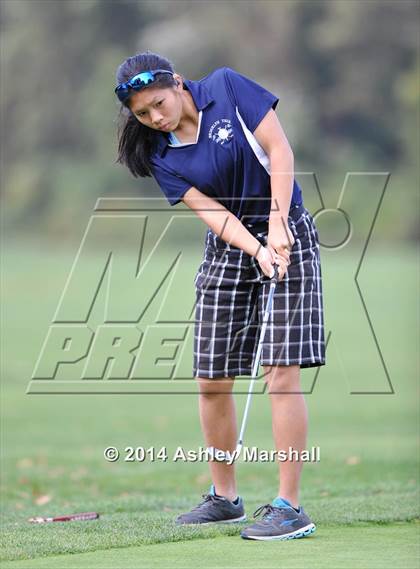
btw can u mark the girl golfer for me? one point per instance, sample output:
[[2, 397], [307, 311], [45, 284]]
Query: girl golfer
[[217, 145]]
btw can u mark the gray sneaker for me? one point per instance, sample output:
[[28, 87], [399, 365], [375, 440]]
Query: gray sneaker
[[214, 509], [279, 521]]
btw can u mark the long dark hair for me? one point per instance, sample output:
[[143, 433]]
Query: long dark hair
[[135, 140]]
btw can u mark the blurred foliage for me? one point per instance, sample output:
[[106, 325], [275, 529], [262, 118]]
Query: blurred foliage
[[346, 73]]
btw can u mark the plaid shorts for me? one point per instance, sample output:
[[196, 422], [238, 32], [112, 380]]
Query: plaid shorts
[[232, 291]]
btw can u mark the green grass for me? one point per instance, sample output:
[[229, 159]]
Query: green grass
[[375, 546], [363, 495]]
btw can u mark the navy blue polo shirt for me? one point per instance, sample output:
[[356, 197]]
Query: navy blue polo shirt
[[225, 162]]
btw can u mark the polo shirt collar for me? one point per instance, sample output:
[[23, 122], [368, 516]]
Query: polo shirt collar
[[202, 99], [199, 93]]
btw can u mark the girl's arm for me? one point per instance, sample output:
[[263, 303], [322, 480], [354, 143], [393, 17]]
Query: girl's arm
[[229, 228], [271, 137], [221, 221]]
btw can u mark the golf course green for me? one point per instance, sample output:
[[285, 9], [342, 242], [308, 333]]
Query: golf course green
[[363, 409]]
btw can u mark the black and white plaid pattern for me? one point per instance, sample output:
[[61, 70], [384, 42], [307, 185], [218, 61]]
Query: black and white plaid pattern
[[232, 293]]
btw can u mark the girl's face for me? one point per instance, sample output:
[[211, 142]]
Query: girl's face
[[158, 108]]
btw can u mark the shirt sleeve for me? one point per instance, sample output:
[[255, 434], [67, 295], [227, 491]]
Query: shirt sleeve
[[171, 184], [252, 100]]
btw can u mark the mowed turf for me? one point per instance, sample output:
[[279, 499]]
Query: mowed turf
[[362, 494], [378, 546]]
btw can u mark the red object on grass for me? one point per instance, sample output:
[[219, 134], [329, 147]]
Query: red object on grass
[[68, 518]]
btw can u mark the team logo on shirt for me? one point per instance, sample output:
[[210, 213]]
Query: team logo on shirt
[[221, 131]]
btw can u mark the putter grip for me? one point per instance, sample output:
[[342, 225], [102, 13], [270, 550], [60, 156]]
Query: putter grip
[[275, 277]]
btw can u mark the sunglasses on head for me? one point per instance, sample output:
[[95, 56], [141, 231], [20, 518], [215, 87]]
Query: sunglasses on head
[[137, 83]]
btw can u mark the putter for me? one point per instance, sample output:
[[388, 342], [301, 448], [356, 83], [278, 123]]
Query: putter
[[221, 455]]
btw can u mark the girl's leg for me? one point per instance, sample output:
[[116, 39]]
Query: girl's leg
[[290, 424], [218, 423]]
